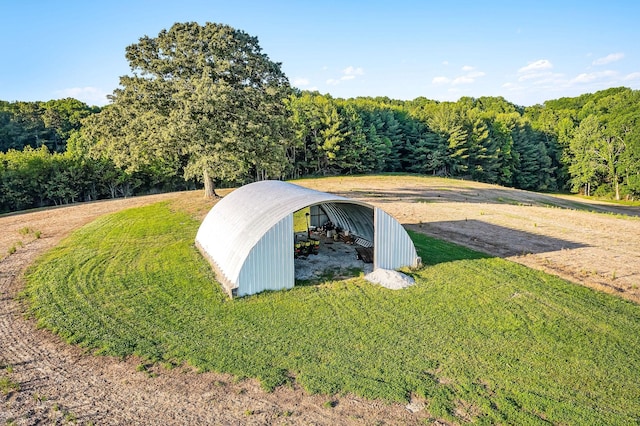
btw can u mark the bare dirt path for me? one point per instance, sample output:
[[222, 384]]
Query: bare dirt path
[[62, 384]]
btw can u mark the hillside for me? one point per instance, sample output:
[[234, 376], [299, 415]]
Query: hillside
[[550, 233]]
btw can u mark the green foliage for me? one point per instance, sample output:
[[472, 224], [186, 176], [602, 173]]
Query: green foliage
[[37, 178], [516, 345], [224, 113], [599, 135], [204, 100], [300, 220], [37, 124]]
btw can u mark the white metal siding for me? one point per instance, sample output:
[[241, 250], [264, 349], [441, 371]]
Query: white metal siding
[[269, 265], [393, 247]]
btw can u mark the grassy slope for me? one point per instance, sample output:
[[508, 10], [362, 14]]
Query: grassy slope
[[478, 337]]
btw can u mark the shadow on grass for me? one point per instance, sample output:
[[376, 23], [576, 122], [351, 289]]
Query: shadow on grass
[[497, 240], [434, 251]]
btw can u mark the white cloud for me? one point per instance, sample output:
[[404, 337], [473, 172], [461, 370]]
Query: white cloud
[[440, 80], [553, 79], [541, 64], [632, 76], [88, 95], [445, 62], [352, 71], [589, 77], [535, 76], [519, 89], [349, 73], [462, 80], [612, 57], [539, 77], [468, 77], [539, 74], [476, 74], [300, 82], [584, 78]]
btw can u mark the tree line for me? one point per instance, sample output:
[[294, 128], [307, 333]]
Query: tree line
[[39, 124], [205, 106]]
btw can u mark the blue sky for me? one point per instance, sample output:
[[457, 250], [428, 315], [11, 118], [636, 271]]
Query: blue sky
[[525, 51]]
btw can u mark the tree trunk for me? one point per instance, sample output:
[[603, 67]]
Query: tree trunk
[[617, 187], [209, 186]]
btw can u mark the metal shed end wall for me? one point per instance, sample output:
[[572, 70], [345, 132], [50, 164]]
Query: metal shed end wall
[[269, 265], [393, 247]]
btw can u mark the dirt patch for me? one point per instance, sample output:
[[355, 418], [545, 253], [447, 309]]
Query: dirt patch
[[60, 383], [590, 243]]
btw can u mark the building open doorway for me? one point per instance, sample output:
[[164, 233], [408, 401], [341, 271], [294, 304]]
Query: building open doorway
[[324, 250]]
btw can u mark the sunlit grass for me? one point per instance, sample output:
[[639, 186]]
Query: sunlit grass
[[478, 337], [300, 220]]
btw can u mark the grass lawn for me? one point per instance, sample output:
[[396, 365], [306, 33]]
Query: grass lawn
[[480, 338]]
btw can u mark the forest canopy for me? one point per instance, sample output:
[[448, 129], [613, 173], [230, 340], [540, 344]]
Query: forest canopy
[[204, 105]]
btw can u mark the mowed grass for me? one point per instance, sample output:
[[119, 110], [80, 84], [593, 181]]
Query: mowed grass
[[479, 338]]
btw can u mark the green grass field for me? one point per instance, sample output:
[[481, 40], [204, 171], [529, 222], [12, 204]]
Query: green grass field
[[480, 338]]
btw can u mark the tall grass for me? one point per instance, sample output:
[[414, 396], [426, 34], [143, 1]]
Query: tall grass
[[480, 338]]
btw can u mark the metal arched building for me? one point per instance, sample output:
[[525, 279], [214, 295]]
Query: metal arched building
[[248, 235]]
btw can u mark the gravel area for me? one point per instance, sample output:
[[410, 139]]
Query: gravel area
[[334, 258]]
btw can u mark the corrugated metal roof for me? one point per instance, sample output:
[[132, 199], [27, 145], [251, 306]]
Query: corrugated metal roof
[[238, 221]]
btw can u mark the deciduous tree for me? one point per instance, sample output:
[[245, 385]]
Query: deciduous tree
[[202, 98]]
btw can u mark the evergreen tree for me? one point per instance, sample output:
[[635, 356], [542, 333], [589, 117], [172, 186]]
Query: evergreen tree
[[447, 122]]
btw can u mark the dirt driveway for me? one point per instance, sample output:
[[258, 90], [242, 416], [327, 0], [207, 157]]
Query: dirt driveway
[[62, 384]]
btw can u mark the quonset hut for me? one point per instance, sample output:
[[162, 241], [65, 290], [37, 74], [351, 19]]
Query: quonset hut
[[248, 236]]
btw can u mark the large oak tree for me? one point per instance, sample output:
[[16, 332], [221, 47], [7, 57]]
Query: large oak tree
[[203, 99]]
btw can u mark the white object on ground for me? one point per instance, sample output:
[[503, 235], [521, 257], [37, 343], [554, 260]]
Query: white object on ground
[[393, 280]]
